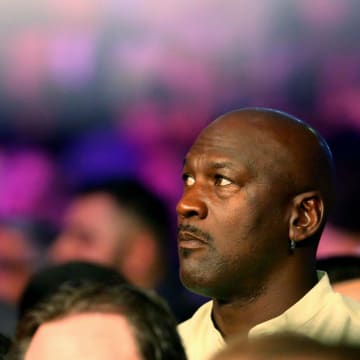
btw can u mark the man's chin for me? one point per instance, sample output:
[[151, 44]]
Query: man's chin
[[195, 284]]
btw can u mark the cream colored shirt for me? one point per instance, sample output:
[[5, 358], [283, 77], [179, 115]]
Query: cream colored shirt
[[321, 314]]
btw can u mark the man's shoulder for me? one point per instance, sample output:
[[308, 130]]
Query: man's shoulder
[[337, 321], [328, 300], [349, 305], [340, 312]]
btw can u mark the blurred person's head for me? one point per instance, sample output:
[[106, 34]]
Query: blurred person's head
[[284, 346], [118, 223], [99, 321], [23, 245], [45, 282], [342, 233]]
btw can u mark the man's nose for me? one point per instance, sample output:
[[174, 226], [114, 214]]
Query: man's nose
[[192, 204]]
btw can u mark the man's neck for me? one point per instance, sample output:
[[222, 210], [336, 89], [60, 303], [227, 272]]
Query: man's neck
[[240, 315]]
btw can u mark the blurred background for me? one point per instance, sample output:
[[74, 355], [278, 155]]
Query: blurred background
[[103, 89]]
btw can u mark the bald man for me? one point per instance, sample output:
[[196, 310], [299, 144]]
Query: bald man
[[258, 186]]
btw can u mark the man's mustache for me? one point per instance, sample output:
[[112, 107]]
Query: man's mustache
[[196, 232]]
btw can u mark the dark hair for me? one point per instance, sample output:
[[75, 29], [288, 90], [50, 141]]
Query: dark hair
[[148, 314], [139, 200], [46, 281], [5, 344]]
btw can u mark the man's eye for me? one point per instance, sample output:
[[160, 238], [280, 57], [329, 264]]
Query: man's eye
[[221, 181], [188, 180]]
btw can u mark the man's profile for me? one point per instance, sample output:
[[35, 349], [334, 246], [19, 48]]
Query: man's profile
[[258, 187]]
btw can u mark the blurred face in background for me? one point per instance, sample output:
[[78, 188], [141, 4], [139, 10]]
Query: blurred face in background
[[17, 262], [95, 229]]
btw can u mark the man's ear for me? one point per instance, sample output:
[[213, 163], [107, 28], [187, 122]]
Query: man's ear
[[306, 215]]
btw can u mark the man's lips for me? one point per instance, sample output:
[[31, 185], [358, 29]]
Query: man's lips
[[190, 241], [191, 237]]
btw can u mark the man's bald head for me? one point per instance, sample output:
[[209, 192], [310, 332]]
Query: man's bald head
[[295, 152], [257, 185]]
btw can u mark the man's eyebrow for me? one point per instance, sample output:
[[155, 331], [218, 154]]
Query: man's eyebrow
[[215, 164], [220, 164]]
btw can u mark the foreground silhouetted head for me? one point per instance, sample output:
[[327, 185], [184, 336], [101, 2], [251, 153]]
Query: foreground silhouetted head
[[258, 186], [45, 282], [95, 320]]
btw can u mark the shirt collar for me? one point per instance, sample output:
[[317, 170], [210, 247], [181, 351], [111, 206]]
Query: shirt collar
[[301, 312]]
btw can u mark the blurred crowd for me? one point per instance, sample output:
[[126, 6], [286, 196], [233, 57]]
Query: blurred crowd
[[103, 88], [92, 91]]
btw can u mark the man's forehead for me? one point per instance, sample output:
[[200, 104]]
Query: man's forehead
[[240, 127], [219, 158], [229, 139], [258, 131], [247, 142]]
